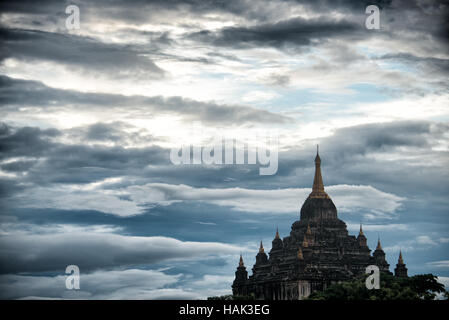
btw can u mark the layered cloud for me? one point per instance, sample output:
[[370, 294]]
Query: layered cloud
[[77, 52], [58, 100], [363, 200], [52, 250], [131, 283]]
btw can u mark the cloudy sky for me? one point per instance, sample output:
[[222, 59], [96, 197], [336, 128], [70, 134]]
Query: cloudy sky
[[89, 117]]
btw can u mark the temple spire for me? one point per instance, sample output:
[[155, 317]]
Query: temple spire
[[401, 269], [277, 234], [241, 261], [379, 246], [261, 250], [400, 260], [318, 186], [361, 231]]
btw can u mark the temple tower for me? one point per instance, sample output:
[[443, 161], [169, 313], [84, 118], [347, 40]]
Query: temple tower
[[318, 206], [400, 270], [361, 238], [379, 258]]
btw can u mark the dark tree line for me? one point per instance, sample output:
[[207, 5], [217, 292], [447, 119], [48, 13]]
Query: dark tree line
[[418, 287]]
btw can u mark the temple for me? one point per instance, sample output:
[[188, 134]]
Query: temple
[[317, 253]]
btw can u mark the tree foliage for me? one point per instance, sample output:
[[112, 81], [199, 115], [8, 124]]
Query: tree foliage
[[231, 297], [419, 287]]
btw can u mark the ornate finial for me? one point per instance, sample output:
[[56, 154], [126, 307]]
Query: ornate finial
[[317, 149], [300, 256], [241, 261], [261, 250], [379, 246], [361, 231], [317, 157], [277, 234], [400, 260], [305, 243], [308, 232]]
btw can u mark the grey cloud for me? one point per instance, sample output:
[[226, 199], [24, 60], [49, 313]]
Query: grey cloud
[[377, 136], [104, 284], [431, 68], [292, 32], [70, 163], [25, 141], [78, 51], [79, 163], [436, 64], [29, 6], [20, 252], [37, 94], [400, 150], [136, 284], [101, 131], [140, 10]]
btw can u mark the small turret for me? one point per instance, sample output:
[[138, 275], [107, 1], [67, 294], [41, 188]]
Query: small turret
[[379, 257], [241, 277], [400, 270], [277, 242], [379, 246], [261, 257], [400, 260], [277, 234], [361, 238]]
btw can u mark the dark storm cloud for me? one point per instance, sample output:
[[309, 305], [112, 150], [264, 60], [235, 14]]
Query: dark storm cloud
[[294, 32], [342, 5], [37, 94], [137, 9], [48, 161], [423, 16], [74, 163], [25, 141], [77, 51], [361, 139], [29, 6]]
